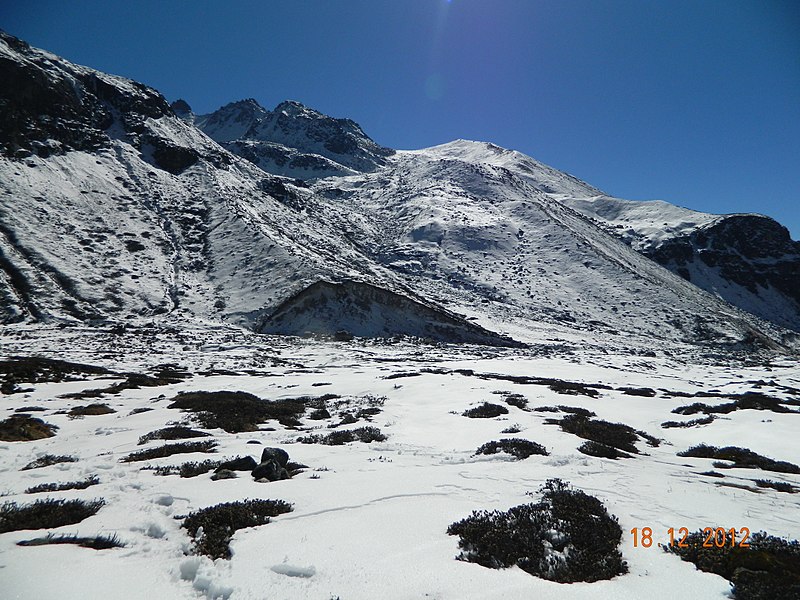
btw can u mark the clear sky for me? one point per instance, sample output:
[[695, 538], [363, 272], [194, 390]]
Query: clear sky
[[695, 102]]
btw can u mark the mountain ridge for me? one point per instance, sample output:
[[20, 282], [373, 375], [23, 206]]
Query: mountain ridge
[[154, 217]]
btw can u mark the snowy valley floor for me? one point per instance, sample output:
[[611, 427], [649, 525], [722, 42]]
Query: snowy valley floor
[[370, 520]]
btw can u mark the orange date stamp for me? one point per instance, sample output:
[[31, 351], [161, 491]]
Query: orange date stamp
[[713, 537]]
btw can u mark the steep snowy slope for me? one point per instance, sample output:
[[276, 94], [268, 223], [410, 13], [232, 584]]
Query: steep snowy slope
[[471, 232], [111, 206], [292, 140]]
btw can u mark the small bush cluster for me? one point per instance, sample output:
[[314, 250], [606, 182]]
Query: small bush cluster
[[644, 392], [691, 423], [616, 435], [779, 486], [218, 523], [90, 410], [48, 460], [60, 487], [575, 410], [769, 568], [516, 447], [97, 542], [33, 369], [487, 410], [741, 458], [746, 401], [177, 432], [46, 514], [338, 438], [568, 536], [24, 428], [237, 412], [517, 400], [169, 450], [602, 451]]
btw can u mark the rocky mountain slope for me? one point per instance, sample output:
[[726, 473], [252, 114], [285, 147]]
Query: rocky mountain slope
[[292, 140], [114, 205]]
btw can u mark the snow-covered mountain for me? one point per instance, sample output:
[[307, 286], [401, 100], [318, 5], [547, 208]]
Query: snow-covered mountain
[[114, 206], [292, 140]]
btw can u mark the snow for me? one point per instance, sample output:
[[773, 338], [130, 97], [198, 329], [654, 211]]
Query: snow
[[369, 520]]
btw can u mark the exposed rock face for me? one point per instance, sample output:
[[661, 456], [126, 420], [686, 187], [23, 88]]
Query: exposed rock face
[[749, 260], [49, 106], [293, 140], [362, 309]]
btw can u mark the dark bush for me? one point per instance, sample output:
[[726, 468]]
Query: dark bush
[[644, 392], [766, 570], [221, 521], [617, 435], [566, 537], [691, 423], [319, 414], [779, 486], [236, 412], [98, 542], [23, 428], [48, 460], [575, 410], [169, 450], [177, 432], [91, 410], [741, 458], [34, 369], [46, 514], [338, 438], [515, 428], [517, 400], [60, 487], [602, 451], [516, 447], [187, 469], [487, 410], [746, 401]]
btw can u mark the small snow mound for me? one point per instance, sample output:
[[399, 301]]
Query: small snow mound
[[165, 500], [294, 571]]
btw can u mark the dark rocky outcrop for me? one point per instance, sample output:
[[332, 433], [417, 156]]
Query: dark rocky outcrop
[[753, 252], [365, 310]]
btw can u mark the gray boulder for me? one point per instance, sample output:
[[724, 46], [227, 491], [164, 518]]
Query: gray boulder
[[278, 455]]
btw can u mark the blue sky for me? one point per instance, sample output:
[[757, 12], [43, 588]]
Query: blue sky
[[694, 102]]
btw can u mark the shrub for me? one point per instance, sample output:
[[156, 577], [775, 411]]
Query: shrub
[[48, 460], [187, 469], [516, 447], [515, 428], [746, 401], [338, 438], [575, 410], [779, 486], [517, 400], [644, 392], [769, 568], [169, 450], [177, 432], [24, 428], [691, 423], [220, 522], [602, 451], [60, 487], [616, 435], [487, 410], [741, 458], [236, 412], [566, 537], [98, 542], [90, 410], [46, 514], [34, 369]]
